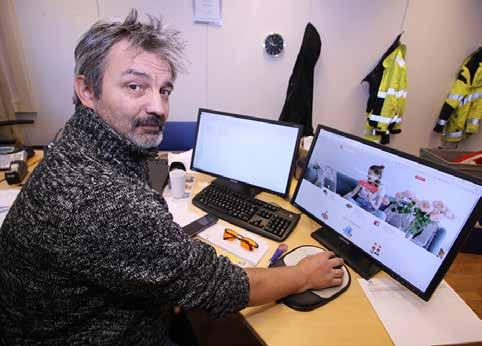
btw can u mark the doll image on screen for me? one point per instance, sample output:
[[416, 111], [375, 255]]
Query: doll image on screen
[[369, 193]]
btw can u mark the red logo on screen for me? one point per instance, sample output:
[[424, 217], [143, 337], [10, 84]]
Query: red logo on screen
[[420, 178]]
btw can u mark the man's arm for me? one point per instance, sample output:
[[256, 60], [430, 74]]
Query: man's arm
[[312, 272], [143, 253]]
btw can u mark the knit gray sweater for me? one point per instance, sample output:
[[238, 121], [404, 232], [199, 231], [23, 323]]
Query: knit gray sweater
[[89, 253]]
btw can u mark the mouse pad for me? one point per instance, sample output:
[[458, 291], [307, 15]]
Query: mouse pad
[[310, 299]]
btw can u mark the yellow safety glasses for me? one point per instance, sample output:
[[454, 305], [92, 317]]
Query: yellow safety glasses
[[247, 243]]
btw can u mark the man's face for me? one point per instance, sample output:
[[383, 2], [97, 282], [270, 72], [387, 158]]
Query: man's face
[[135, 94]]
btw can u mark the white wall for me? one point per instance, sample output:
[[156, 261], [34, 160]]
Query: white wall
[[49, 30], [228, 69]]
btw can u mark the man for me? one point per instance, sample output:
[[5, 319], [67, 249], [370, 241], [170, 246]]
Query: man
[[89, 252]]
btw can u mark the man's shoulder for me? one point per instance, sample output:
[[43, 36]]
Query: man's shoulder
[[84, 178], [57, 173], [91, 199]]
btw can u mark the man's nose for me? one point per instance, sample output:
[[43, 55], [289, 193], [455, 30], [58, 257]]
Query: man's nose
[[158, 106]]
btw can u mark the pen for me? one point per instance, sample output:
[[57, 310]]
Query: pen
[[277, 254]]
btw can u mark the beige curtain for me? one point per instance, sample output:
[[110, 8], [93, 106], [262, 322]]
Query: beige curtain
[[15, 88]]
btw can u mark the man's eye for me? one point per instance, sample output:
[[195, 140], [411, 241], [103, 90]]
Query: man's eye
[[134, 87], [166, 92]]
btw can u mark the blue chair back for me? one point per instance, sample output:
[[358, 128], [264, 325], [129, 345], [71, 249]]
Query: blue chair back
[[178, 136]]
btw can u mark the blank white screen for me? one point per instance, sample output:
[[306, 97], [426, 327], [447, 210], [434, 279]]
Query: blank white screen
[[254, 152]]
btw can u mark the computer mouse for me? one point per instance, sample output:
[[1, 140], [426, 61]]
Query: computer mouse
[[337, 267], [293, 257], [331, 291], [311, 299], [299, 253]]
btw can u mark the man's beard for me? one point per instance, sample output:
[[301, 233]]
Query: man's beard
[[147, 140]]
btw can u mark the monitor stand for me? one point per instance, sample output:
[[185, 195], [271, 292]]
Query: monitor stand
[[238, 187], [353, 256]]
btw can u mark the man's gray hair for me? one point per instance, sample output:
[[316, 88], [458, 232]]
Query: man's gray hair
[[93, 47]]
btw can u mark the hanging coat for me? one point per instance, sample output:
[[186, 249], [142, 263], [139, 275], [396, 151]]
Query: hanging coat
[[298, 105], [387, 94], [462, 110]]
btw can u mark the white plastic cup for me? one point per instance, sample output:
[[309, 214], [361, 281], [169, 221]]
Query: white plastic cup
[[177, 178]]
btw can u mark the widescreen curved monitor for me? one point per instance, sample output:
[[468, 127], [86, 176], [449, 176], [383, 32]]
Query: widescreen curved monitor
[[407, 215]]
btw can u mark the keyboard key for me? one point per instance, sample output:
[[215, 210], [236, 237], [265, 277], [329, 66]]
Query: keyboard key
[[250, 213]]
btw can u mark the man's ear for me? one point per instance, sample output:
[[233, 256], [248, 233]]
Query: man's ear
[[84, 91]]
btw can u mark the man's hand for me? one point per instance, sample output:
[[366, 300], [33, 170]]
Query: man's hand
[[312, 272], [320, 272]]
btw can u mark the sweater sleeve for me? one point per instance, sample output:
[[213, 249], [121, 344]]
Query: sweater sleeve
[[130, 245]]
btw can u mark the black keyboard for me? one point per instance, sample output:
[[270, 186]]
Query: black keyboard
[[250, 213]]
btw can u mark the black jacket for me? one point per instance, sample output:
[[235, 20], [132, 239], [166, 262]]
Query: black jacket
[[89, 253], [298, 106]]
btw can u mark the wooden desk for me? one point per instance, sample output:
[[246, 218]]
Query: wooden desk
[[31, 164], [349, 319]]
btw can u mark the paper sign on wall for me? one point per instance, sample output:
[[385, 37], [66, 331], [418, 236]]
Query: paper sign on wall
[[207, 11]]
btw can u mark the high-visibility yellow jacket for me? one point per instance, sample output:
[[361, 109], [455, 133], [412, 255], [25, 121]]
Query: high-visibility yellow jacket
[[462, 110], [388, 92]]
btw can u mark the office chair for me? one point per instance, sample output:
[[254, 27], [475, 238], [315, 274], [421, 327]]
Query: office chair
[[178, 136]]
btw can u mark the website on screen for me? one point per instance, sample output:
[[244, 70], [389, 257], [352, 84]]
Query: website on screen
[[404, 214]]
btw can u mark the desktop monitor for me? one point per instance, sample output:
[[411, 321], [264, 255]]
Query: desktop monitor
[[381, 208], [257, 152]]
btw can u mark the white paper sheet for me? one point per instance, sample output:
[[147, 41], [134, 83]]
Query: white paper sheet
[[409, 320], [207, 11], [7, 197], [179, 209], [214, 235]]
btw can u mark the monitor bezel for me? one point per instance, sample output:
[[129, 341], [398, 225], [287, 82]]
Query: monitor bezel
[[247, 117], [454, 250]]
